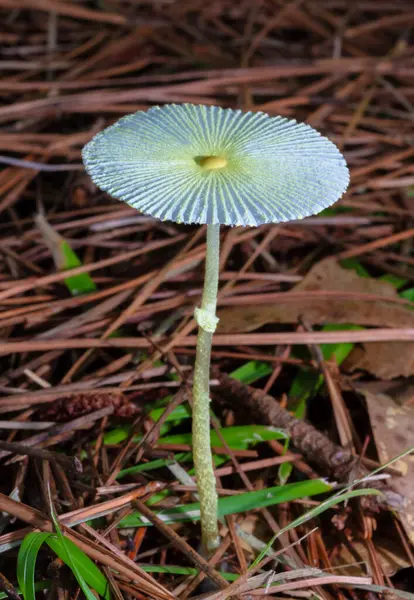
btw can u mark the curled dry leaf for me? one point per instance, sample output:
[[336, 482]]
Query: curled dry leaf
[[383, 359], [393, 428]]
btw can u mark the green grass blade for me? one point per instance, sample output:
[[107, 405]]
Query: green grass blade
[[408, 295], [159, 463], [237, 503], [354, 265], [286, 468], [82, 567], [64, 258], [252, 371], [26, 562], [76, 284], [85, 571], [285, 472], [180, 413], [397, 282], [238, 437]]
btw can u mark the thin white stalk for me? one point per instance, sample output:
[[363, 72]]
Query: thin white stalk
[[203, 459]]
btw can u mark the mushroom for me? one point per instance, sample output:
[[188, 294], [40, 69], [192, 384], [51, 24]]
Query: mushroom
[[217, 166]]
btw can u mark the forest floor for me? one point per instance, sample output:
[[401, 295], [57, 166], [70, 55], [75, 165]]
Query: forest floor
[[313, 359]]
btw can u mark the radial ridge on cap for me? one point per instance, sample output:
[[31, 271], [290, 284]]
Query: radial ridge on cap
[[275, 169]]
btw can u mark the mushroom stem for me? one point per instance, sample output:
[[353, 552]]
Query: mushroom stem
[[203, 459]]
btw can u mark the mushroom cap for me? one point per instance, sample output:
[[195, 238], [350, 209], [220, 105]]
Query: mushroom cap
[[205, 164]]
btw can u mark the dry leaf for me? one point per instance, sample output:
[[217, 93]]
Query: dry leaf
[[386, 360], [393, 427], [400, 390], [391, 556], [325, 276]]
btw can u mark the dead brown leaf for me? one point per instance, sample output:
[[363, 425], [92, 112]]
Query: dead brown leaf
[[393, 428], [385, 360], [389, 553]]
